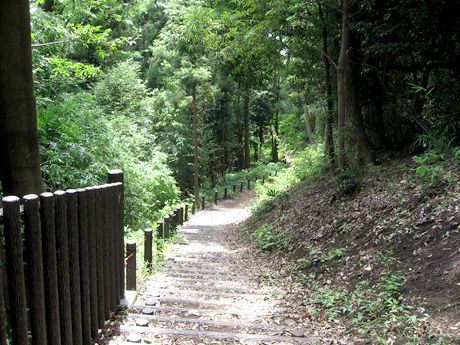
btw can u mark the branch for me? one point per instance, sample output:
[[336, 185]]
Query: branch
[[38, 45], [327, 57]]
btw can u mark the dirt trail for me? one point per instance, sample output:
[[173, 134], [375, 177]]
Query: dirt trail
[[215, 290]]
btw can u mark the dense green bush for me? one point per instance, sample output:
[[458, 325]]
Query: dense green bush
[[85, 134], [308, 164], [254, 173]]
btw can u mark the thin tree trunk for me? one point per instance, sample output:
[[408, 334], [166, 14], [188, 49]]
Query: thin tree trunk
[[196, 143], [306, 118], [341, 70], [376, 102], [239, 127], [276, 91], [329, 121], [247, 148], [19, 156]]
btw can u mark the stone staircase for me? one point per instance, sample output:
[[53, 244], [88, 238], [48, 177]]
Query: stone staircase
[[207, 294]]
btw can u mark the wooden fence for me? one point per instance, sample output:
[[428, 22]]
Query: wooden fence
[[64, 269], [64, 261], [168, 226]]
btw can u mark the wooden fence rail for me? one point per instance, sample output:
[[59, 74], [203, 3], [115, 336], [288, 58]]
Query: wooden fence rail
[[71, 276]]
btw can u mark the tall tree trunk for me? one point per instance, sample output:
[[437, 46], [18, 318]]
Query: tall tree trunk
[[256, 151], [306, 118], [247, 148], [376, 102], [350, 124], [239, 128], [329, 121], [260, 136], [276, 92], [196, 152], [341, 71], [19, 156]]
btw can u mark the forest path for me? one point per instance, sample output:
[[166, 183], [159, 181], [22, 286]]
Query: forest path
[[214, 290]]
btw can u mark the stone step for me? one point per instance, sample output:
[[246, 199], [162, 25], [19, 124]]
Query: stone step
[[181, 286], [151, 332], [207, 281], [200, 303], [219, 295], [197, 273], [226, 314], [220, 325]]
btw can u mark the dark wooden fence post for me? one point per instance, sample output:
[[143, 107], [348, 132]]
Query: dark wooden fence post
[[99, 256], [215, 197], [148, 242], [186, 212], [249, 184], [62, 245], [182, 215], [234, 188], [263, 179], [131, 265], [167, 227], [105, 249], [225, 193], [177, 215], [3, 323], [113, 247], [115, 176], [92, 259], [172, 220], [74, 264], [15, 270], [86, 316], [50, 268], [241, 186], [202, 203], [34, 260], [276, 172], [160, 230]]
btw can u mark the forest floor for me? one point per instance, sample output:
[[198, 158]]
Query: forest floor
[[381, 266], [385, 259]]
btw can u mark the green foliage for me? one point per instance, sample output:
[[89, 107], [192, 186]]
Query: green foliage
[[456, 156], [306, 165], [434, 167], [375, 310], [314, 255], [335, 254], [265, 237], [349, 178], [430, 169], [254, 173], [268, 239], [84, 135]]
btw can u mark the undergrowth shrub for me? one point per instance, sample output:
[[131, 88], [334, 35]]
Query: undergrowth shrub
[[433, 166], [373, 309], [308, 164], [255, 172], [268, 239]]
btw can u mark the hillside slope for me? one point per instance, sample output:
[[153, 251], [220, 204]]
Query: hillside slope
[[394, 242]]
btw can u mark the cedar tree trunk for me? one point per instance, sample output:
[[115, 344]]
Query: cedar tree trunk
[[247, 149], [19, 155]]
